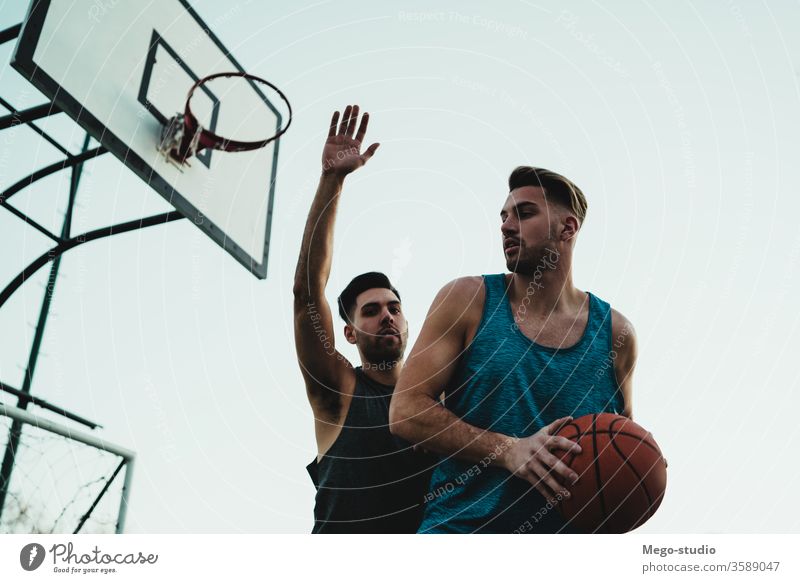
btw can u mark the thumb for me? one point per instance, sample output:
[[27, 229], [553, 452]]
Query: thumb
[[370, 152]]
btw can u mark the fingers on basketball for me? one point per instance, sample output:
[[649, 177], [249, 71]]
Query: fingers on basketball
[[543, 480], [556, 425], [558, 442]]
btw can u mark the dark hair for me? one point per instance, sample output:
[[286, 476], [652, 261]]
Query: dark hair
[[360, 284], [557, 188]]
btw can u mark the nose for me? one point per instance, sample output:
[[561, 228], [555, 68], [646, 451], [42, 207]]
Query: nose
[[387, 318], [508, 227]]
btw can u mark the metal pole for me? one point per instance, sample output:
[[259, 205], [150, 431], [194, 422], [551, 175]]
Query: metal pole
[[15, 432], [68, 432], [126, 496], [10, 33], [49, 406], [70, 162], [99, 497], [81, 239], [28, 115]]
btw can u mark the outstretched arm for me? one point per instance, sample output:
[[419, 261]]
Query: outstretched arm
[[324, 369], [416, 415]]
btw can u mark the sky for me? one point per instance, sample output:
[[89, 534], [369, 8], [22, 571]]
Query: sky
[[679, 121]]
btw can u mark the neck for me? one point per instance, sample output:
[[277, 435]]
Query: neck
[[548, 289], [385, 373]]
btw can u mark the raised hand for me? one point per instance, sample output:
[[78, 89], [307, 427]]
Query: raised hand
[[342, 152]]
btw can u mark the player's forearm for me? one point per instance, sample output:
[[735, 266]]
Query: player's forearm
[[316, 250], [422, 420]]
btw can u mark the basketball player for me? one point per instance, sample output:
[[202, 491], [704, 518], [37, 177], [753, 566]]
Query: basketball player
[[517, 355], [367, 480]]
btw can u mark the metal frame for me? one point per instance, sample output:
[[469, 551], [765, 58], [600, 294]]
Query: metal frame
[[64, 242], [128, 457], [155, 42]]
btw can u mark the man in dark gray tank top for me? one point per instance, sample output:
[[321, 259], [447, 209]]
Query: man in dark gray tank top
[[516, 355], [367, 480]]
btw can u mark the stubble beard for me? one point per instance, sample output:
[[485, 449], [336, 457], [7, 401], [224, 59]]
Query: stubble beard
[[378, 351], [529, 259]]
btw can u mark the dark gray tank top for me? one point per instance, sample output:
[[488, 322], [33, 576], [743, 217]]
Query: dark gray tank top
[[369, 481]]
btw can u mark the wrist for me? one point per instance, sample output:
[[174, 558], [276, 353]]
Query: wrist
[[333, 173], [504, 451], [331, 181]]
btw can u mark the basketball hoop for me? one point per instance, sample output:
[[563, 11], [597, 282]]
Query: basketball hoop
[[183, 137]]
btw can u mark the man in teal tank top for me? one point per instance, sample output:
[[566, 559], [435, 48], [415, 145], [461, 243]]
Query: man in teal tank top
[[516, 355]]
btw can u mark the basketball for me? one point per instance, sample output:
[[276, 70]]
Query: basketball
[[622, 474]]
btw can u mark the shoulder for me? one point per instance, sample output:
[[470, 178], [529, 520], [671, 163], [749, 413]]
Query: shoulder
[[620, 324], [458, 307], [464, 286], [459, 295], [461, 288]]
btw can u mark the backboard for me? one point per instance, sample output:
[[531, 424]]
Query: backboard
[[121, 69]]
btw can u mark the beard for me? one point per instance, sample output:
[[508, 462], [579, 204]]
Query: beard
[[530, 259], [380, 350]]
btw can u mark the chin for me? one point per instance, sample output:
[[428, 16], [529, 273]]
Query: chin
[[391, 355], [516, 266], [377, 354]]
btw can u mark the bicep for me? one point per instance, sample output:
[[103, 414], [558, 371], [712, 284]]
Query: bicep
[[323, 367], [626, 349]]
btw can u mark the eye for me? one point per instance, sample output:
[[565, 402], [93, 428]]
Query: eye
[[394, 310]]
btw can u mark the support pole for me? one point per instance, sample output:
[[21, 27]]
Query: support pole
[[125, 498], [15, 432]]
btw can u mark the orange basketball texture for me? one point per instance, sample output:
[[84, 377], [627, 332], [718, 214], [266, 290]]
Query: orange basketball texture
[[622, 474]]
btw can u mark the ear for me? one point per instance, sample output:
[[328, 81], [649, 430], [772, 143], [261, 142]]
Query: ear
[[569, 228], [350, 334]]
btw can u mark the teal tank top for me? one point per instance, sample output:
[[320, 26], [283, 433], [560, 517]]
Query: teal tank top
[[509, 384]]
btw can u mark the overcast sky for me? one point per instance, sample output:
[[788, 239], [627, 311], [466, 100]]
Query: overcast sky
[[678, 120]]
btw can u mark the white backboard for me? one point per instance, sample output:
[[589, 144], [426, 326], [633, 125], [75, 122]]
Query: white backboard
[[120, 69]]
